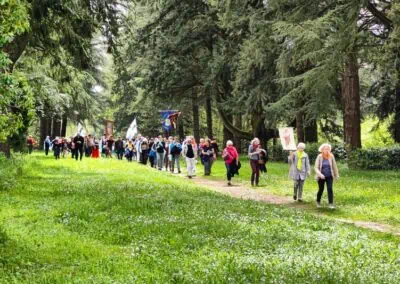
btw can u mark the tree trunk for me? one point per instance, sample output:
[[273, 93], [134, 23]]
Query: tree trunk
[[44, 129], [63, 131], [196, 116], [237, 140], [227, 133], [209, 116], [181, 128], [300, 126], [396, 122], [351, 102], [311, 131]]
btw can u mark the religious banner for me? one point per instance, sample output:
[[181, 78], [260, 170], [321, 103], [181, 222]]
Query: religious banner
[[169, 118], [287, 138], [132, 130]]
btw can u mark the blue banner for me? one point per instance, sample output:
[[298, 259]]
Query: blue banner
[[166, 121]]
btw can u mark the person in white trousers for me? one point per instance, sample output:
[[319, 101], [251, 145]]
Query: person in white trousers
[[190, 154]]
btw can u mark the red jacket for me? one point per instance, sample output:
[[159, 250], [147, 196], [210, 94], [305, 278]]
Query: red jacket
[[230, 154]]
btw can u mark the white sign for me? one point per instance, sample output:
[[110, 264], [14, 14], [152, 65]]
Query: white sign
[[287, 138]]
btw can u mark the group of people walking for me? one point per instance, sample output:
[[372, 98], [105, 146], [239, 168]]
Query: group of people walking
[[165, 153]]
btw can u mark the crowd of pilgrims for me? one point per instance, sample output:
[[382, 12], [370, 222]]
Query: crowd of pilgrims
[[160, 152], [166, 153]]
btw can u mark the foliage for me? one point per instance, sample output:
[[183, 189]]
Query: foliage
[[110, 221], [376, 159]]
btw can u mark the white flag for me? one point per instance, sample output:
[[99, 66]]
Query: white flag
[[81, 130], [132, 130]]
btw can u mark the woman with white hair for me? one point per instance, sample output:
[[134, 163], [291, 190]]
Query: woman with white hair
[[254, 156], [231, 158], [299, 170], [326, 170], [190, 154]]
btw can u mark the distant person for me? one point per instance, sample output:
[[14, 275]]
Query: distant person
[[326, 170], [190, 154], [96, 149], [152, 153], [47, 145], [78, 142], [57, 144], [207, 156], [160, 149], [254, 156], [214, 145], [138, 141], [175, 149], [299, 170], [144, 151], [30, 143], [231, 159], [129, 151], [119, 148], [110, 145]]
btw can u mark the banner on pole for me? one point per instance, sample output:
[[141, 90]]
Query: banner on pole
[[132, 130], [286, 135], [169, 119], [81, 130]]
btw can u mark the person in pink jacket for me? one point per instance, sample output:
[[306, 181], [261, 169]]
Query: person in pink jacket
[[231, 158]]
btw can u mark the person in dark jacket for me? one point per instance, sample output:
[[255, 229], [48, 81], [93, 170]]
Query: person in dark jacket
[[119, 148], [79, 142]]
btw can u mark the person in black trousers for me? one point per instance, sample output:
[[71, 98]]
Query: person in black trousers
[[119, 148], [79, 142]]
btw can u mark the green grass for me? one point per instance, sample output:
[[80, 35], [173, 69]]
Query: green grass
[[107, 221], [359, 195]]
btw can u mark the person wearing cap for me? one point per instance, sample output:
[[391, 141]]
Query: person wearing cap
[[326, 171], [299, 170]]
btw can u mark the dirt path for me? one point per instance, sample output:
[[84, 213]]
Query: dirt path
[[243, 191]]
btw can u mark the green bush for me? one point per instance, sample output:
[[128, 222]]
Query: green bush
[[10, 170], [375, 158]]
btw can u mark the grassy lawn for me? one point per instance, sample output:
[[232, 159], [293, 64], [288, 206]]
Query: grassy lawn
[[107, 221], [359, 195]]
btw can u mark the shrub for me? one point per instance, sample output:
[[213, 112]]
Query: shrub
[[10, 170], [375, 158]]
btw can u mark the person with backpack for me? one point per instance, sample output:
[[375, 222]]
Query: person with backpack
[[175, 149], [231, 159], [207, 156], [299, 170], [190, 154], [160, 149]]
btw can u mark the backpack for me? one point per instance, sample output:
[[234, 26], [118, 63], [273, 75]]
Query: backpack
[[160, 148], [176, 149]]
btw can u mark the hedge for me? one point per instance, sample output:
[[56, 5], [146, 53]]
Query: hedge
[[367, 159], [375, 158]]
